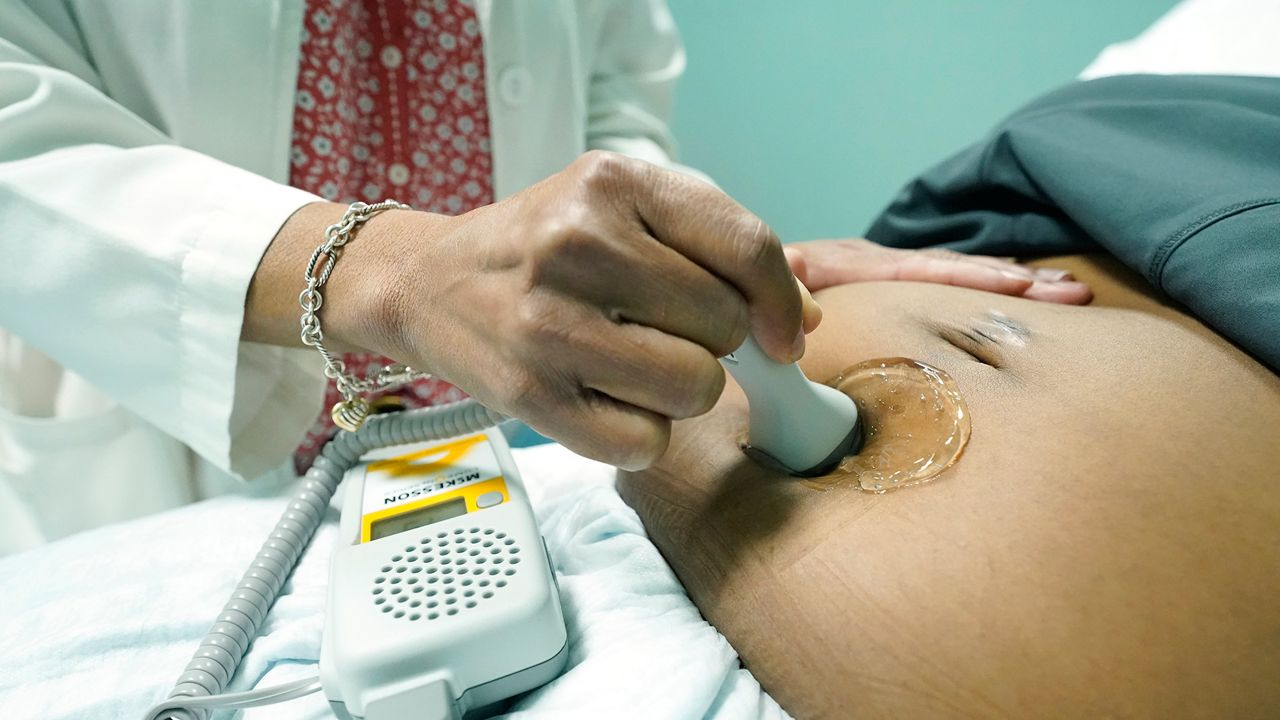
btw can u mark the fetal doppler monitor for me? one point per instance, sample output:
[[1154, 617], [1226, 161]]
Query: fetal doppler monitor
[[442, 600], [441, 594]]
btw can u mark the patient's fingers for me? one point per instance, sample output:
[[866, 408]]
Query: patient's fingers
[[1046, 284], [950, 268], [1010, 264], [795, 259], [825, 263], [1067, 292], [991, 274]]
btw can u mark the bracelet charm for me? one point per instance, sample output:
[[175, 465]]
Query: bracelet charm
[[350, 414]]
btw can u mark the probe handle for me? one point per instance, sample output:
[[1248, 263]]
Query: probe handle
[[797, 422]]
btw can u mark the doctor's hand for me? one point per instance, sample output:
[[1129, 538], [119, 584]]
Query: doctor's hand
[[824, 263], [592, 305]]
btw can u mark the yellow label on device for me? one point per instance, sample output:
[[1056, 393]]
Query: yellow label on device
[[430, 485]]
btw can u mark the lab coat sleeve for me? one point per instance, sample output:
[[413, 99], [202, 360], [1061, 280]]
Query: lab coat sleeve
[[127, 259], [638, 62]]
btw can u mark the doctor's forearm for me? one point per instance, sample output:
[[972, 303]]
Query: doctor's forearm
[[354, 313]]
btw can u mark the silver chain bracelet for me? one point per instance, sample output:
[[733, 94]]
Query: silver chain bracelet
[[349, 413]]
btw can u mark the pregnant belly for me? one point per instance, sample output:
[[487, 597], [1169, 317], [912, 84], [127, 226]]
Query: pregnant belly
[[1105, 544]]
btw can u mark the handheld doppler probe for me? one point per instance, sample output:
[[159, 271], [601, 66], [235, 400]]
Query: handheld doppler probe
[[804, 426]]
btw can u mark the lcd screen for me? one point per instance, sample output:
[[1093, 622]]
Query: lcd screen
[[418, 518]]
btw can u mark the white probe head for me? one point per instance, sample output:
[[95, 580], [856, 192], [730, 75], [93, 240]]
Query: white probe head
[[805, 426]]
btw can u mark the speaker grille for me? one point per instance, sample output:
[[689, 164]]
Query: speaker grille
[[446, 573]]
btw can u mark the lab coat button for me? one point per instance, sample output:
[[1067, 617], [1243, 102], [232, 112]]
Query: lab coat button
[[515, 85]]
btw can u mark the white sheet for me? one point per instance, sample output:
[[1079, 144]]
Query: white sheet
[[99, 625], [1200, 37]]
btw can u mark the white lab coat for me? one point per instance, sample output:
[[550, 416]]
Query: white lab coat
[[143, 150]]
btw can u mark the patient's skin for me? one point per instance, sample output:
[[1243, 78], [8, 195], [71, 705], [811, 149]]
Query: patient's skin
[[1107, 545]]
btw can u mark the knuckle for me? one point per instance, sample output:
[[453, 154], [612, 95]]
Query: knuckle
[[559, 235], [564, 245], [644, 445], [733, 322], [540, 321], [706, 382], [757, 244], [602, 170], [522, 393], [942, 253], [737, 334]]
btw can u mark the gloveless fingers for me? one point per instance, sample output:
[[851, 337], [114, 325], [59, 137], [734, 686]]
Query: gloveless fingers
[[640, 366], [599, 427], [628, 276], [574, 348], [562, 347], [706, 226]]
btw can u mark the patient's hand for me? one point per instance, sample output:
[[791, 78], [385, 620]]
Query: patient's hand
[[823, 263]]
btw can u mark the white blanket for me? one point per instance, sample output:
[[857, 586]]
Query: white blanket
[[99, 625]]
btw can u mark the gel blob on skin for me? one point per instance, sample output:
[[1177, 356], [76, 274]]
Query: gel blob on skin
[[880, 425], [915, 424]]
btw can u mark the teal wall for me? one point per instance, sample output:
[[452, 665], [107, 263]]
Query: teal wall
[[812, 113]]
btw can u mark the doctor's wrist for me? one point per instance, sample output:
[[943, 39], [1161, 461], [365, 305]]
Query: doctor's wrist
[[373, 297], [364, 297]]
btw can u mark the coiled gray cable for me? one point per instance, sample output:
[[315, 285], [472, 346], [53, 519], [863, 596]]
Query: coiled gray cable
[[220, 652]]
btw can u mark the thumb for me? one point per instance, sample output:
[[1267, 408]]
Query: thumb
[[810, 310]]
